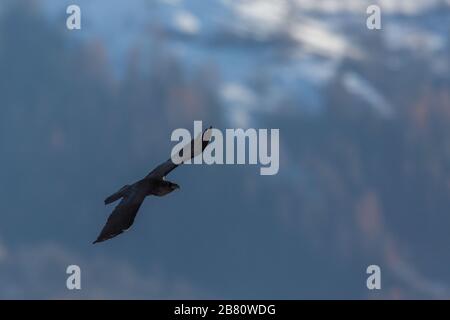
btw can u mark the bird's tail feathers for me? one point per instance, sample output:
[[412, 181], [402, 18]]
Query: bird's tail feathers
[[116, 196]]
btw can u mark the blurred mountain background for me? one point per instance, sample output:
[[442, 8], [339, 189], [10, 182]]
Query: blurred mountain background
[[364, 119]]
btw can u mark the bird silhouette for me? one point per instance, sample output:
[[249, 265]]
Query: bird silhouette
[[154, 184]]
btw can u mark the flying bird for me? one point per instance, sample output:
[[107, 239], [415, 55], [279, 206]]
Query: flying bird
[[154, 184]]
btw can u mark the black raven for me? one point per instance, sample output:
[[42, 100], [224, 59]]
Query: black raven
[[154, 183]]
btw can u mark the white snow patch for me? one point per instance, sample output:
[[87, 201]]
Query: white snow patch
[[238, 94], [403, 36], [186, 22], [358, 86], [316, 37]]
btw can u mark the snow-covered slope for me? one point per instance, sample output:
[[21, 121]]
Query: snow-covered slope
[[293, 46]]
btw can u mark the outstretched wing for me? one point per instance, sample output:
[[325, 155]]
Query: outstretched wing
[[166, 167], [123, 215]]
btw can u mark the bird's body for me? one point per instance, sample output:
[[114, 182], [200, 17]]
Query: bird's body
[[154, 184]]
